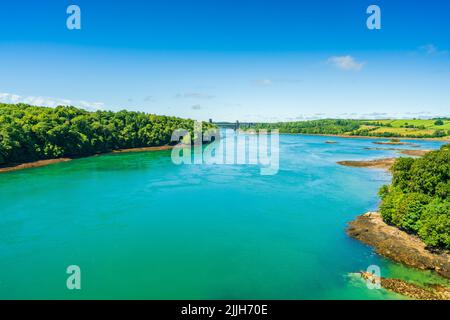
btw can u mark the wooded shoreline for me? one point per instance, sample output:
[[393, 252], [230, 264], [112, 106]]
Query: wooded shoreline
[[367, 137], [412, 226]]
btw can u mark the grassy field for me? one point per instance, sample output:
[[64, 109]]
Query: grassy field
[[390, 128], [427, 124], [405, 128]]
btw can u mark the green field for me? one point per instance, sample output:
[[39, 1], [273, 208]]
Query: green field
[[431, 128], [389, 128], [427, 124]]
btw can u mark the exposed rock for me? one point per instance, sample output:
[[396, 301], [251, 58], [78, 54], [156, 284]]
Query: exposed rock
[[398, 245], [430, 292], [395, 143], [416, 153], [378, 148], [35, 164], [144, 149], [377, 163], [408, 152]]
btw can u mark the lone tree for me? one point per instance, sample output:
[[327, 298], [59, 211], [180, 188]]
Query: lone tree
[[439, 122]]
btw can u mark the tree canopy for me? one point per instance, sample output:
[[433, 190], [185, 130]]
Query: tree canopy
[[326, 126], [418, 200], [30, 133]]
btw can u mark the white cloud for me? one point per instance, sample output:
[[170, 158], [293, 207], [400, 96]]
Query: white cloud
[[264, 82], [194, 95], [50, 102], [352, 115], [432, 50], [196, 107], [347, 63]]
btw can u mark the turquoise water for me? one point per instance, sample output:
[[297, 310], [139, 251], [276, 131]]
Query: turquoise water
[[140, 227]]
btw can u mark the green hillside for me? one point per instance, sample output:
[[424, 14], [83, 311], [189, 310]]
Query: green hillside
[[409, 128]]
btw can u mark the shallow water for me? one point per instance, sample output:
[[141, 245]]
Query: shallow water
[[140, 227]]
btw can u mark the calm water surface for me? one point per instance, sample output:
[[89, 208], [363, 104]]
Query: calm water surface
[[140, 227]]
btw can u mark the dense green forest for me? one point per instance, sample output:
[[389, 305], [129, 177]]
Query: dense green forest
[[29, 133], [418, 200], [326, 126]]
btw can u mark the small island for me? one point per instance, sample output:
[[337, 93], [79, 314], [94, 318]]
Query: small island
[[385, 163], [395, 142], [415, 153]]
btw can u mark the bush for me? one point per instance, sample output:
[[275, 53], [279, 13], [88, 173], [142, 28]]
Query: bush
[[434, 226], [409, 211], [403, 210], [402, 172], [418, 200], [439, 122], [389, 205], [443, 190], [384, 191]]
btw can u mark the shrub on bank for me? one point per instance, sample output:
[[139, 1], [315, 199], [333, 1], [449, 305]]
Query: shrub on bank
[[418, 200]]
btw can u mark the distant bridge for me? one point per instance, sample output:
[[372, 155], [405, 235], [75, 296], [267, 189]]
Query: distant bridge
[[231, 125]]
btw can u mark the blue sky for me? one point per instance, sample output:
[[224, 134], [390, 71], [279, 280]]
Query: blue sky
[[230, 59]]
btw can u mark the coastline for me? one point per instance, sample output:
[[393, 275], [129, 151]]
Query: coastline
[[446, 139], [397, 245], [405, 288], [143, 149], [34, 164], [415, 153], [401, 247], [408, 152], [385, 163], [44, 163]]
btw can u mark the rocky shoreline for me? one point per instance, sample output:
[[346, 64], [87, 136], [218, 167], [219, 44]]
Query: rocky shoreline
[[143, 149], [35, 164], [395, 143], [427, 292], [404, 248], [398, 245], [385, 163], [443, 139], [415, 153]]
